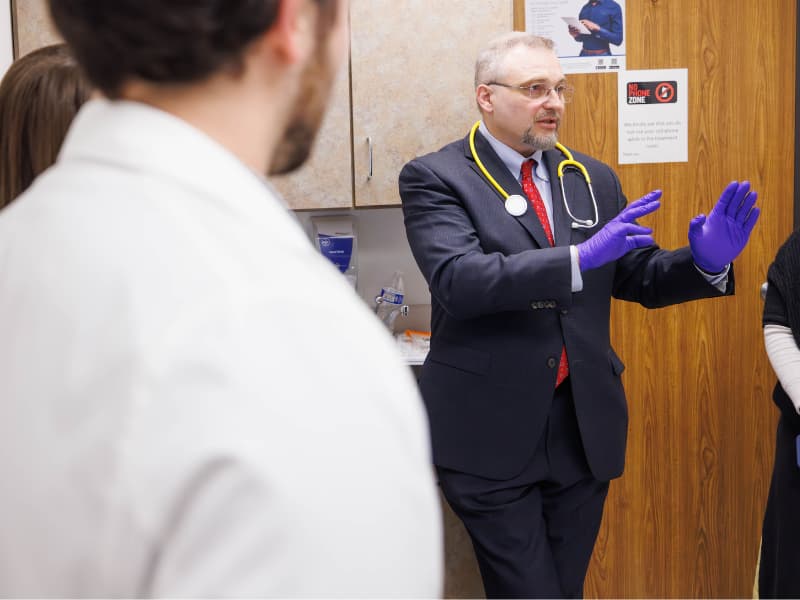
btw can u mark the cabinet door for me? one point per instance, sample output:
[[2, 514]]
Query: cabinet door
[[413, 65], [32, 25], [6, 43], [326, 180]]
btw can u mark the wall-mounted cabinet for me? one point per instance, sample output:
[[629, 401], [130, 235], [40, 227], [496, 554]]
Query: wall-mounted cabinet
[[6, 37], [408, 91], [32, 26], [411, 92], [326, 179]]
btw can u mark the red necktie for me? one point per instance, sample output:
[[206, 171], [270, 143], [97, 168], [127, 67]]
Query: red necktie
[[538, 206]]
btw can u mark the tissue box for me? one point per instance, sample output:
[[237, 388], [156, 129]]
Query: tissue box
[[336, 239]]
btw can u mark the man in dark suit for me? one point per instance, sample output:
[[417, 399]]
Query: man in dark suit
[[522, 386]]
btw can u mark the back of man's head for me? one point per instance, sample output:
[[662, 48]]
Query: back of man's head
[[163, 41]]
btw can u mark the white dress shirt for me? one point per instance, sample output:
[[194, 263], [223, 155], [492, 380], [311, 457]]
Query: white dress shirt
[[541, 178], [193, 402]]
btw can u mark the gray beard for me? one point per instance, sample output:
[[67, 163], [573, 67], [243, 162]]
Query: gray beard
[[539, 142]]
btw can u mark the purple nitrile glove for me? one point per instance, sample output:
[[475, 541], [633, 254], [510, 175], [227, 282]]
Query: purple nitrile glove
[[719, 238], [620, 234]]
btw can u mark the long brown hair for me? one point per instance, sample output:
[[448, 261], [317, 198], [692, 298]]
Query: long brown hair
[[39, 96]]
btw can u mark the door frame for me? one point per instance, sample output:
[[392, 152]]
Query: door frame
[[796, 129]]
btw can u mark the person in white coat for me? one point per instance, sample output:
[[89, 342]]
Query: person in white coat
[[193, 402]]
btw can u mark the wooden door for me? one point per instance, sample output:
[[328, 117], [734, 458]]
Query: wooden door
[[685, 518], [412, 70]]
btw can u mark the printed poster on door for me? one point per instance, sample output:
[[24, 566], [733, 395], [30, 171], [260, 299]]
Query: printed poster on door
[[589, 35]]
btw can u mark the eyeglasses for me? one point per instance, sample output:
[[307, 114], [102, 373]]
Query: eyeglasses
[[537, 91]]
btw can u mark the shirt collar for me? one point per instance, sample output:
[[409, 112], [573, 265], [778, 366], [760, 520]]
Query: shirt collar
[[511, 158]]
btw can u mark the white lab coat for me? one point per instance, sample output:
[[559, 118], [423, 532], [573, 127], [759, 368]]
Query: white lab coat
[[192, 400]]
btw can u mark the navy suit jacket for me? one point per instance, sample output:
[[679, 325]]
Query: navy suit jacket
[[502, 306]]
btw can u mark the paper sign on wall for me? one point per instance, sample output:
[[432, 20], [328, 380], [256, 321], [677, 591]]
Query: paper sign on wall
[[653, 116]]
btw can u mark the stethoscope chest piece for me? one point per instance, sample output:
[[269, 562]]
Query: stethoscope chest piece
[[516, 205]]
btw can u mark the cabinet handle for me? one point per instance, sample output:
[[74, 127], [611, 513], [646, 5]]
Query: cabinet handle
[[369, 145]]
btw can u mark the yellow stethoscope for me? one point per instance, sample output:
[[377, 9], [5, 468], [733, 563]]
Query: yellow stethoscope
[[516, 205]]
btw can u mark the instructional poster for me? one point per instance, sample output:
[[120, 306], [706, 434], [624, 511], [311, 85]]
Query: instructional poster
[[6, 43], [653, 116], [589, 34]]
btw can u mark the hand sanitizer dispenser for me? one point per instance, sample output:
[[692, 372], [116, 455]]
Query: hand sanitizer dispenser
[[336, 239]]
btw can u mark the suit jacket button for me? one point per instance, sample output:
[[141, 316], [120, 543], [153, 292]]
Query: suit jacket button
[[551, 362], [564, 311]]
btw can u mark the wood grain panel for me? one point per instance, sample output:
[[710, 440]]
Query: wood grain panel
[[684, 520]]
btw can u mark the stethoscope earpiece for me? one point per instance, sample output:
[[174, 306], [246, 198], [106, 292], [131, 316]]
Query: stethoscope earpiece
[[516, 205]]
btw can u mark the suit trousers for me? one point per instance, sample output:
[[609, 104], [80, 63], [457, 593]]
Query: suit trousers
[[533, 534]]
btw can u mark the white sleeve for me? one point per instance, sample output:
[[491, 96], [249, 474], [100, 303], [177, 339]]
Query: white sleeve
[[784, 355], [577, 279]]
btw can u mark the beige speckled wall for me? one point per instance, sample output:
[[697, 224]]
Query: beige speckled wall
[[33, 27]]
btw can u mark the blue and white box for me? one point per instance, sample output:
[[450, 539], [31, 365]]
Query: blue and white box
[[336, 239]]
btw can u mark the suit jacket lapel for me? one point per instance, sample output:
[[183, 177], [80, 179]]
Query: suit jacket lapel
[[508, 182], [580, 201], [561, 221]]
